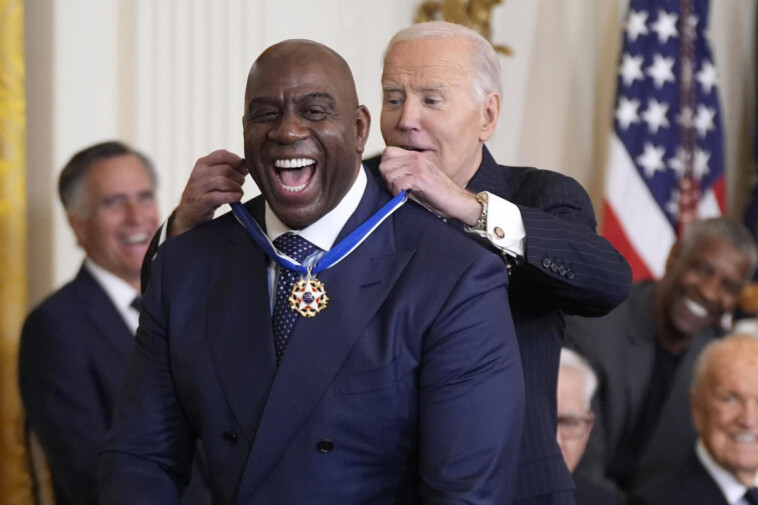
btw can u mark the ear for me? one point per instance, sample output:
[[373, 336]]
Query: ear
[[490, 114], [78, 226], [362, 127]]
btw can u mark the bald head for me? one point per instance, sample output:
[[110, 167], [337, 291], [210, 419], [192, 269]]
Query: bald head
[[304, 57], [724, 403]]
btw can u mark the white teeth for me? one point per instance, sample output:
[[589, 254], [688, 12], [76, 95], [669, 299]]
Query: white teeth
[[293, 189], [695, 307], [137, 238], [296, 163], [745, 438]]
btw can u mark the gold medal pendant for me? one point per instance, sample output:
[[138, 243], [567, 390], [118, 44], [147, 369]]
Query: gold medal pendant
[[308, 296]]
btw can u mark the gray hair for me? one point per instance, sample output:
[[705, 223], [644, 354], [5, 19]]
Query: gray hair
[[720, 228], [71, 180], [572, 360], [487, 78], [703, 361]]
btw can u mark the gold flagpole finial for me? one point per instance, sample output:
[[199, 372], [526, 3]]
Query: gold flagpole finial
[[475, 14]]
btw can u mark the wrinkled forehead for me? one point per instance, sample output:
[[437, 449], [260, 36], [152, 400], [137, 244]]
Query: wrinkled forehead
[[427, 61], [735, 361]]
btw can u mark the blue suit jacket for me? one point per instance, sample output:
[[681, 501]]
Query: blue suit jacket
[[406, 388], [567, 269], [74, 351]]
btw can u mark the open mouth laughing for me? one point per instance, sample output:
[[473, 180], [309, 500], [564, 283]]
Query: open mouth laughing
[[294, 174], [695, 308]]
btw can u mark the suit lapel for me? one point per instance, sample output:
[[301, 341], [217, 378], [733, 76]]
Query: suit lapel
[[102, 313], [239, 325], [357, 287]]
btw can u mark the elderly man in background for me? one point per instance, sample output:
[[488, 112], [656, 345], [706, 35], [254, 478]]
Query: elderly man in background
[[723, 469], [441, 102], [644, 351], [577, 383]]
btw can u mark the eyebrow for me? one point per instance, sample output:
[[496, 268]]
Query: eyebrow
[[310, 96], [319, 95], [434, 87], [260, 101]]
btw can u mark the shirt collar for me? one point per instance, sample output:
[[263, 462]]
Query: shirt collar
[[117, 289], [730, 487], [323, 232]]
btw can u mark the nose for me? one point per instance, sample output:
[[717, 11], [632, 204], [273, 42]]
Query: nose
[[410, 115], [710, 288], [132, 209], [289, 129], [749, 414]]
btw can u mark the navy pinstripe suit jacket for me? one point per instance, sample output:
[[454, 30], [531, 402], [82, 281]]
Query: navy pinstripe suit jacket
[[567, 269]]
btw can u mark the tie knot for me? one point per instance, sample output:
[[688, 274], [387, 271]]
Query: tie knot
[[136, 303], [751, 496], [294, 246]]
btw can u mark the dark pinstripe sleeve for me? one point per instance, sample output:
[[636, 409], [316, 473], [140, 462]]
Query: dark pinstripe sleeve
[[583, 270]]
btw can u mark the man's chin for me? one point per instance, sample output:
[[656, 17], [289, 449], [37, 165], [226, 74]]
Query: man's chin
[[297, 217]]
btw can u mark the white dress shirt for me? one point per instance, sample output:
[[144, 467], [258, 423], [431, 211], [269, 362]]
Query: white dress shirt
[[322, 233], [732, 489], [120, 292]]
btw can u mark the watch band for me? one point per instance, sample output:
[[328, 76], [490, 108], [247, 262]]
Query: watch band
[[481, 223]]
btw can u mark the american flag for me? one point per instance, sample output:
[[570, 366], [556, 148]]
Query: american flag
[[666, 161]]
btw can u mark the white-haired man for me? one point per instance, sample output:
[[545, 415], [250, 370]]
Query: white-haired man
[[442, 96], [723, 469], [577, 383]]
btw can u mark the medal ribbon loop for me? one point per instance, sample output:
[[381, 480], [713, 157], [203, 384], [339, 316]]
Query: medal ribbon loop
[[331, 257]]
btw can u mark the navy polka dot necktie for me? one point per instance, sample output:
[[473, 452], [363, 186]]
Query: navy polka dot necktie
[[751, 496], [283, 318]]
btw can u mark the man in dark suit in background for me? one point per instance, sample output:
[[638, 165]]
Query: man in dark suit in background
[[76, 344], [442, 95], [644, 351], [404, 387], [723, 468]]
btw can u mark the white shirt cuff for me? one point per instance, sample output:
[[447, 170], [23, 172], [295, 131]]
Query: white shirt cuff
[[505, 227]]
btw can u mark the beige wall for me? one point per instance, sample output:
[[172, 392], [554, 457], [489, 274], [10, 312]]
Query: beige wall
[[169, 77]]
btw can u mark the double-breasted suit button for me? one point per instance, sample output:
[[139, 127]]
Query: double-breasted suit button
[[230, 438], [570, 274], [325, 446], [546, 263], [562, 270]]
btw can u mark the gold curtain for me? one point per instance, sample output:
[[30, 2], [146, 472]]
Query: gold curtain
[[15, 482]]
